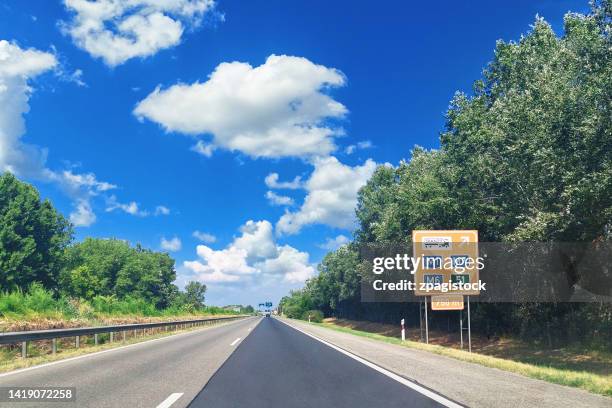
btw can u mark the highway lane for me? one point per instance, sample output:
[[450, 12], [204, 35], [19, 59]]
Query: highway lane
[[277, 366], [140, 375]]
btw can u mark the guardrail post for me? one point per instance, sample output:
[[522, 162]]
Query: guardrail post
[[111, 337], [54, 346], [24, 349], [77, 342], [96, 339], [123, 335]]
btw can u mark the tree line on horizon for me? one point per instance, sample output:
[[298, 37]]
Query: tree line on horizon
[[527, 156], [38, 254]]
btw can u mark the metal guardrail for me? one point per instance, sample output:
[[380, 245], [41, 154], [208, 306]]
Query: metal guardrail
[[24, 337]]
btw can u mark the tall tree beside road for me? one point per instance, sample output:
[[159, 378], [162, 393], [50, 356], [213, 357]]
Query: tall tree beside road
[[527, 156], [33, 236], [194, 294]]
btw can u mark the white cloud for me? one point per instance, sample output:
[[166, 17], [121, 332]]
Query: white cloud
[[17, 68], [331, 244], [276, 199], [204, 237], [290, 263], [162, 210], [257, 239], [118, 30], [332, 196], [366, 144], [88, 180], [76, 77], [350, 149], [251, 256], [82, 216], [278, 109], [272, 182], [171, 245], [131, 208], [205, 149]]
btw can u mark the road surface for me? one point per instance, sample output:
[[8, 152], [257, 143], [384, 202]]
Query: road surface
[[139, 375], [256, 362], [277, 366]]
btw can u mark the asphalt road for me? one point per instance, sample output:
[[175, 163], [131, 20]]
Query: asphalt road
[[139, 375], [278, 366], [255, 362]]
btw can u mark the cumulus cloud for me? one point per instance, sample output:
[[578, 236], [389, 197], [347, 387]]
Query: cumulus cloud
[[204, 237], [332, 196], [291, 263], [171, 245], [257, 239], [252, 255], [118, 30], [18, 67], [276, 199], [272, 182], [277, 109], [331, 244]]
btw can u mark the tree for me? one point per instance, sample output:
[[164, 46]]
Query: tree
[[194, 294], [33, 236], [106, 267], [527, 156]]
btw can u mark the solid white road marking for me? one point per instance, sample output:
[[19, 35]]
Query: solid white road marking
[[146, 342], [235, 341], [170, 400], [436, 397]]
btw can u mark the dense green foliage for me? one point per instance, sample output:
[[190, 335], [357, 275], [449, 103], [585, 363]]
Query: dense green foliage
[[37, 302], [33, 237], [105, 267], [526, 157], [43, 273]]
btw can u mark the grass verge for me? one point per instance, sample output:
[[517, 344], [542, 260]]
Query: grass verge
[[595, 383]]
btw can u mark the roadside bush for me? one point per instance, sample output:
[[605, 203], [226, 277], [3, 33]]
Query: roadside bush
[[315, 316], [39, 302]]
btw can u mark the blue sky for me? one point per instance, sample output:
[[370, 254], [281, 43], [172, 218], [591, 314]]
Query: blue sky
[[353, 84]]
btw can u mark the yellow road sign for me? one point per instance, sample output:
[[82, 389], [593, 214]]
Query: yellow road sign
[[447, 262], [447, 302]]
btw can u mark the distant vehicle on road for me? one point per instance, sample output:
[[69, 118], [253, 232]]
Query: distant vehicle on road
[[267, 314]]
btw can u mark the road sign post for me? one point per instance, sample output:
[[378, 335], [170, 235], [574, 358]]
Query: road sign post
[[469, 327], [426, 323], [447, 270], [461, 327]]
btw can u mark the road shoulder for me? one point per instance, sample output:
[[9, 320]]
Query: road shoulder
[[469, 384]]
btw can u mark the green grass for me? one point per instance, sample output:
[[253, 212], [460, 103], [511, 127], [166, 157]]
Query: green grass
[[38, 303], [595, 383]]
